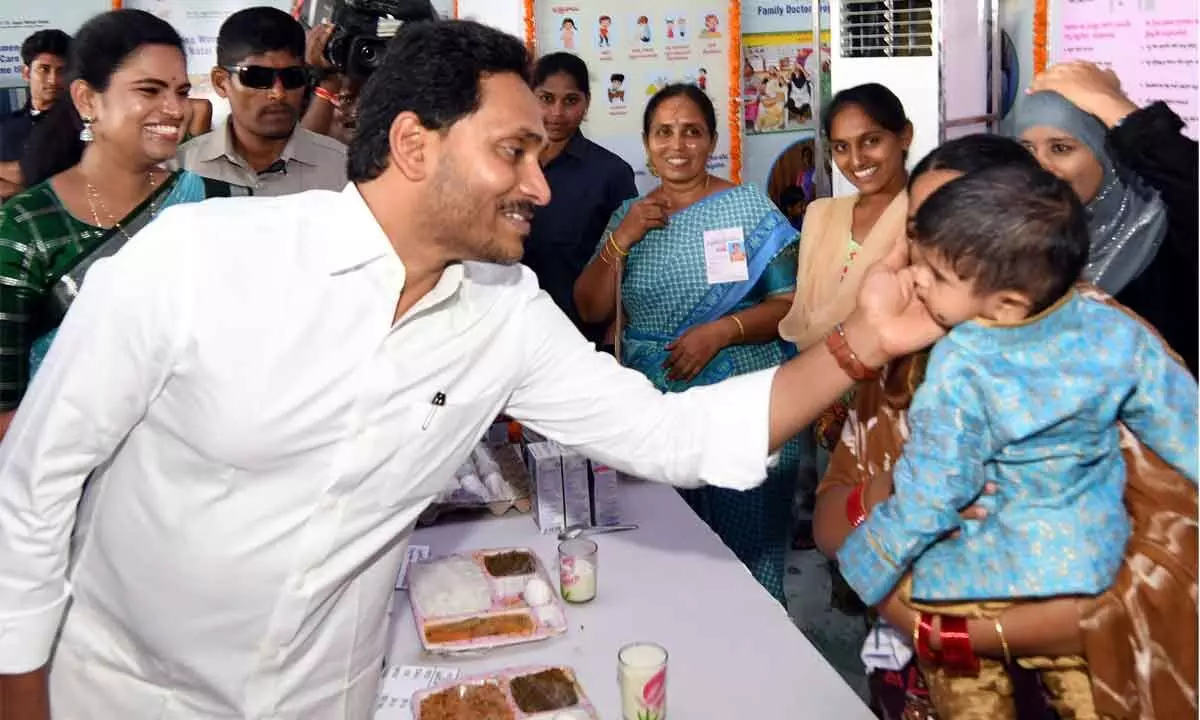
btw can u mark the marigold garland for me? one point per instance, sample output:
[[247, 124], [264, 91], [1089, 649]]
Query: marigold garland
[[530, 29], [1040, 31], [735, 91], [454, 10]]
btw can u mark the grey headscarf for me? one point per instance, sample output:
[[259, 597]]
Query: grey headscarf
[[1127, 219]]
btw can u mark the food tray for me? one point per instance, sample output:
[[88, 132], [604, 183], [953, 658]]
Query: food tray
[[530, 693], [458, 620], [516, 477]]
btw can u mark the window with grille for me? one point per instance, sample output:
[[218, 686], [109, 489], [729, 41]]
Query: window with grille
[[886, 28]]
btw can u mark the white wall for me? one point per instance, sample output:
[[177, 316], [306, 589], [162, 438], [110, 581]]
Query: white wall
[[507, 15]]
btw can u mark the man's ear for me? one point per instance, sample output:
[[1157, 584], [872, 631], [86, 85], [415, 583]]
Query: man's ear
[[220, 81], [25, 73], [412, 147]]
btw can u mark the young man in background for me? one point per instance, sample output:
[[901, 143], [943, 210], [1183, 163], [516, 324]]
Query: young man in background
[[44, 67]]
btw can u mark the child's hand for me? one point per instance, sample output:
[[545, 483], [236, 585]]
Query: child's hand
[[976, 511]]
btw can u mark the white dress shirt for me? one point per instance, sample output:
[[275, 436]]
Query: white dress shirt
[[262, 439]]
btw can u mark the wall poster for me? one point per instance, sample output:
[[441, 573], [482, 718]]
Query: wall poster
[[778, 70], [633, 48], [1150, 44], [20, 19]]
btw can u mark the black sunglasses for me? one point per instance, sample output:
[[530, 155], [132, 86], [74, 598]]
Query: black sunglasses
[[259, 77]]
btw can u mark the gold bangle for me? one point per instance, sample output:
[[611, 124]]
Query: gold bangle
[[1003, 642], [741, 327], [612, 241], [605, 258]]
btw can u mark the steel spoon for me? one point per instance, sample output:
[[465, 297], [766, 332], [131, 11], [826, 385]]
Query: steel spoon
[[575, 531]]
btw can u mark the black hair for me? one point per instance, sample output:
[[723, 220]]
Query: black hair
[[45, 42], [258, 30], [1012, 226], [99, 49], [617, 77], [562, 62], [689, 91], [879, 104], [432, 69], [971, 153]]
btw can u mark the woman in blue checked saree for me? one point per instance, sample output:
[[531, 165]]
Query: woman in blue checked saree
[[709, 268], [93, 167]]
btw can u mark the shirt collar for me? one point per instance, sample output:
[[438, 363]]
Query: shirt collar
[[576, 149], [577, 146], [299, 148], [361, 241]]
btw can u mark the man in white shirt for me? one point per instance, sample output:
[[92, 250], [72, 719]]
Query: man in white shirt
[[252, 382]]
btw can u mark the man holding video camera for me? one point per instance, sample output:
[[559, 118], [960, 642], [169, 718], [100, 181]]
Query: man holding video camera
[[261, 72], [345, 51]]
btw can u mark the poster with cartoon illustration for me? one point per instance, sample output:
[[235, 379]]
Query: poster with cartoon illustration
[[778, 72], [634, 48], [567, 31]]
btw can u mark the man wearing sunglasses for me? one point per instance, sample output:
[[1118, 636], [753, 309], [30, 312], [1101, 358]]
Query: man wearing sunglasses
[[260, 71]]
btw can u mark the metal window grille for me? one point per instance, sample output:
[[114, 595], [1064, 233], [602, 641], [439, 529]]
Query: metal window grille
[[886, 28]]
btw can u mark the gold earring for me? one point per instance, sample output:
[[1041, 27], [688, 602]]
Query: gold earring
[[650, 168]]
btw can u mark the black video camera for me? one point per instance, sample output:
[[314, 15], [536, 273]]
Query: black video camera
[[356, 47]]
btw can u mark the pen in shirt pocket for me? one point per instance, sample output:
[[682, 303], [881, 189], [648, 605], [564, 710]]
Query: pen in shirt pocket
[[439, 400]]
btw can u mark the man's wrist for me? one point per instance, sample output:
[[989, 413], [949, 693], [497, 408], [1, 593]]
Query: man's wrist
[[864, 341]]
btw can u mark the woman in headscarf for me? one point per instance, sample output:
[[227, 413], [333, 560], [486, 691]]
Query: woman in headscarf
[[1137, 174]]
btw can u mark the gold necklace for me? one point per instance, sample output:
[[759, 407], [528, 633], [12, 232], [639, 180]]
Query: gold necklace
[[94, 200]]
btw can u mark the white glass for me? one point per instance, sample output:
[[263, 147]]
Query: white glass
[[577, 570], [642, 674]]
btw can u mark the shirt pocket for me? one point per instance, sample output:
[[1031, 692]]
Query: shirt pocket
[[436, 439]]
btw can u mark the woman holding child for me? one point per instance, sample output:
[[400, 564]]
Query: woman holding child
[[1130, 618]]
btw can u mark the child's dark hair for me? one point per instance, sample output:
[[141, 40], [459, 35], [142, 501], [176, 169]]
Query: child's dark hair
[[971, 153], [1011, 227]]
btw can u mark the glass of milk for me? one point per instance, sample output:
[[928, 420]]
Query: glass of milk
[[577, 570], [642, 674]]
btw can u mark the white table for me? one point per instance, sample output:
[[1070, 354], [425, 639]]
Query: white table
[[734, 652]]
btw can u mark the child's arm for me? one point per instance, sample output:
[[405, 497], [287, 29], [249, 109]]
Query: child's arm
[[1161, 410], [940, 472]]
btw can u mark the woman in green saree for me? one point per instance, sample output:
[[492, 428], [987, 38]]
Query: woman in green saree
[[95, 179], [706, 271]]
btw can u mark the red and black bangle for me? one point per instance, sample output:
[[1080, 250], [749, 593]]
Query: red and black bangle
[[922, 634], [958, 657], [327, 96]]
